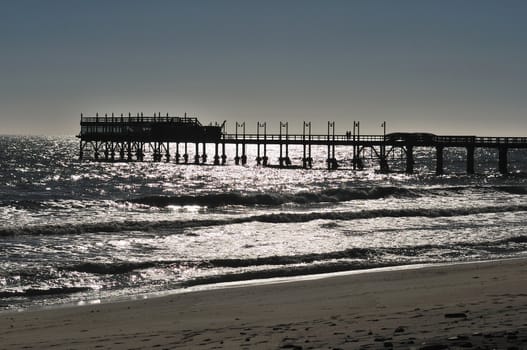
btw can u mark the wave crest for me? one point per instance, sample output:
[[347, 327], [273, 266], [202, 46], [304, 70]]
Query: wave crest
[[32, 292], [358, 257], [270, 199], [283, 217]]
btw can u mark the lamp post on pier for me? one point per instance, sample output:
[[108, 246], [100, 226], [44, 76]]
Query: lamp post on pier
[[306, 160], [258, 158], [357, 163], [383, 160], [282, 159], [265, 159], [237, 158], [332, 162], [244, 156]]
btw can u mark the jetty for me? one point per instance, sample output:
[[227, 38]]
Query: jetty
[[121, 137]]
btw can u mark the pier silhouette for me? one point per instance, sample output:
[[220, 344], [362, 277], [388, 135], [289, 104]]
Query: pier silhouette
[[128, 138]]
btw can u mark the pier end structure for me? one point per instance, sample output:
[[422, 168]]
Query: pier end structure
[[122, 137]]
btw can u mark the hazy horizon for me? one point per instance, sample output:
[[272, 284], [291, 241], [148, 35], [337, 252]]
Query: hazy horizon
[[446, 67]]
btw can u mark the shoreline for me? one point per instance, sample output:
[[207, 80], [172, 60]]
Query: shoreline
[[244, 284], [473, 302], [321, 276]]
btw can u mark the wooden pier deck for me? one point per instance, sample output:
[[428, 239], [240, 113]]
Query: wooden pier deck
[[127, 138]]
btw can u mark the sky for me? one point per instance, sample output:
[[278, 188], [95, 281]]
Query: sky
[[446, 67]]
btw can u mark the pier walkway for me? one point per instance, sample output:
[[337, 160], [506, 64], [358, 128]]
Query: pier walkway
[[127, 138]]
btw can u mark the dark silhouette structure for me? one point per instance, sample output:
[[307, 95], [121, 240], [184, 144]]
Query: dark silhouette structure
[[126, 138]]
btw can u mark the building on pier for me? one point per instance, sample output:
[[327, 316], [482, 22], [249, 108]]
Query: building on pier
[[111, 137]]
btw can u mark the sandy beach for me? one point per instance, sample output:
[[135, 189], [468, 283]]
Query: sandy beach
[[475, 305]]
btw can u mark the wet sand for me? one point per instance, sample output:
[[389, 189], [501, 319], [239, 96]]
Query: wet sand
[[476, 305]]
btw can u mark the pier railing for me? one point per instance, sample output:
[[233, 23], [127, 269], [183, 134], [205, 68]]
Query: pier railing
[[138, 119], [432, 141], [502, 140], [300, 137], [480, 141]]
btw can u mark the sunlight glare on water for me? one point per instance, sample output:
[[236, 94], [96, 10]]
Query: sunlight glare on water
[[79, 231]]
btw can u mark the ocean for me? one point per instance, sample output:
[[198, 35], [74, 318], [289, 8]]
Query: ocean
[[76, 232]]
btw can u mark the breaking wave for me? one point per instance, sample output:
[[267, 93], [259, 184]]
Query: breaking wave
[[242, 269], [356, 257], [289, 271], [283, 217], [270, 199], [520, 190], [333, 195], [127, 266], [32, 292]]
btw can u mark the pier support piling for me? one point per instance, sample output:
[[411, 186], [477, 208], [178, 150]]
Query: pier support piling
[[223, 155], [244, 155], [503, 160], [204, 155], [185, 155], [216, 154], [129, 151], [281, 159], [243, 158], [332, 161], [383, 160], [258, 158], [439, 160], [265, 159], [384, 165], [307, 161], [196, 154], [177, 153], [470, 160], [167, 152], [287, 159], [410, 159], [304, 145], [81, 150]]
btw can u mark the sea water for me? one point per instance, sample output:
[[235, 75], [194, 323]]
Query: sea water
[[77, 232]]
